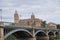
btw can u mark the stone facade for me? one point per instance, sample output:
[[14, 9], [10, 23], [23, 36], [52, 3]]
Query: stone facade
[[16, 18], [28, 22], [51, 25]]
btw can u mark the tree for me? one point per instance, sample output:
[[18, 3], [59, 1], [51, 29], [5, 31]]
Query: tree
[[44, 23], [58, 26], [11, 37], [57, 38]]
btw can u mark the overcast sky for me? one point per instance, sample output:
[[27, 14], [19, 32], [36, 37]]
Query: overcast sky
[[48, 10]]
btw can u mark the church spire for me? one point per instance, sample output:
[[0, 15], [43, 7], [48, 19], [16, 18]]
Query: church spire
[[32, 16], [16, 12], [16, 17]]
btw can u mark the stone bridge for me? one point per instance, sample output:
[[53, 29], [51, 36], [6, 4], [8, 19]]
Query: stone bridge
[[27, 32]]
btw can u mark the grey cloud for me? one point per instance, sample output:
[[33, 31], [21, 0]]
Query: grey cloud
[[40, 8], [28, 2]]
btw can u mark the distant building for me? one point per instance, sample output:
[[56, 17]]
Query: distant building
[[51, 25], [31, 21], [27, 22]]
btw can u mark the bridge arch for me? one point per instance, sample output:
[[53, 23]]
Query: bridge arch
[[16, 30], [41, 33], [57, 33], [50, 32]]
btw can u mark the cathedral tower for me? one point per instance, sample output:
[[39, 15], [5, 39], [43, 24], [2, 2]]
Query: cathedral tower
[[32, 16], [16, 17]]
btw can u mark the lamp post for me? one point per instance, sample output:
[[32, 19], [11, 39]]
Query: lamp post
[[1, 15]]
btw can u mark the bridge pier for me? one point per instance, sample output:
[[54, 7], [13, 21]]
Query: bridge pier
[[1, 34], [33, 33], [59, 33], [47, 36], [54, 34], [1, 31]]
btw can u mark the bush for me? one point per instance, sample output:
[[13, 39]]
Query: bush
[[11, 37], [57, 38]]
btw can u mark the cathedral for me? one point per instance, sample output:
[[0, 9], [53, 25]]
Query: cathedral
[[31, 21], [27, 22]]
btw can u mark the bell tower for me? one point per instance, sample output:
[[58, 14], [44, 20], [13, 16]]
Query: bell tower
[[32, 16], [16, 17]]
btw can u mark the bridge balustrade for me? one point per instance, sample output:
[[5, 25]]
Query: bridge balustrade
[[7, 23]]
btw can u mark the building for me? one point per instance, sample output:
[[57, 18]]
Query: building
[[27, 22], [31, 21], [51, 25]]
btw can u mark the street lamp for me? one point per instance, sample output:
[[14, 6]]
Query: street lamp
[[1, 15], [1, 23]]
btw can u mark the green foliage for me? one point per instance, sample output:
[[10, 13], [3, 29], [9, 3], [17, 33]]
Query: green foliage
[[58, 26], [43, 23], [57, 38], [11, 37]]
